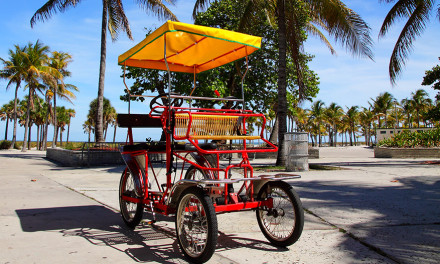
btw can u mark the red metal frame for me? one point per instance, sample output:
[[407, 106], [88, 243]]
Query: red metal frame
[[231, 202]]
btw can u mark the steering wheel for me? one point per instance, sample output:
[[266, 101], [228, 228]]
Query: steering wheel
[[176, 102]]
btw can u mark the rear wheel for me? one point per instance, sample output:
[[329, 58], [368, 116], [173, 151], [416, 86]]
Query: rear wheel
[[282, 224], [131, 212], [194, 173], [196, 225]]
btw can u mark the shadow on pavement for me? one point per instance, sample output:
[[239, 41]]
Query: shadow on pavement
[[402, 220], [102, 226]]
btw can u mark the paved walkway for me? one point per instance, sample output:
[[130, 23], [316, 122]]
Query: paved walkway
[[369, 211]]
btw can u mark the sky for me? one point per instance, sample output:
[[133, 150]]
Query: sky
[[344, 79]]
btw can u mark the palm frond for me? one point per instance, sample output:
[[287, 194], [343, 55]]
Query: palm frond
[[402, 9], [117, 20], [158, 8], [412, 29], [51, 7], [199, 5], [317, 33], [345, 25]]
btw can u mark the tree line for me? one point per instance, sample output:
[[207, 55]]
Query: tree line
[[43, 72], [349, 123]]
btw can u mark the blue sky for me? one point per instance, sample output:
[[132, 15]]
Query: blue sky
[[345, 79]]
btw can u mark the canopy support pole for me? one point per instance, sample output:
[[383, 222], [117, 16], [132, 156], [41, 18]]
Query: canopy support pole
[[128, 90], [194, 72], [166, 64], [242, 79]]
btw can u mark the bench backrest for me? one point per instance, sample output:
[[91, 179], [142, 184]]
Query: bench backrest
[[210, 126]]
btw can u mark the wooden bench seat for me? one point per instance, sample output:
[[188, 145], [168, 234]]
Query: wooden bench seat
[[201, 126]]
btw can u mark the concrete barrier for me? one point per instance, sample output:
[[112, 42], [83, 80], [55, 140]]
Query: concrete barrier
[[406, 152], [78, 158]]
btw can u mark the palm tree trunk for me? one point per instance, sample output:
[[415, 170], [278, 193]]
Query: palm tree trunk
[[14, 133], [61, 138], [275, 128], [418, 119], [99, 116], [282, 84], [29, 139], [57, 129], [46, 125], [54, 140], [105, 132], [114, 133], [42, 137], [38, 137], [26, 125], [6, 130], [68, 129]]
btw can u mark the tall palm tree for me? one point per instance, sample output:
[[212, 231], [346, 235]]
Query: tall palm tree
[[421, 102], [7, 113], [417, 13], [381, 105], [14, 71], [35, 63], [342, 23], [71, 113], [62, 120], [59, 61], [317, 112], [333, 114], [352, 115], [408, 109], [113, 18], [366, 118]]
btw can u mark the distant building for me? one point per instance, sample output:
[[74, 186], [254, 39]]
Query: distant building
[[382, 133]]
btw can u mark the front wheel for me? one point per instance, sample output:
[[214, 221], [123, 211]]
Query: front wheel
[[282, 224], [196, 225], [131, 212]]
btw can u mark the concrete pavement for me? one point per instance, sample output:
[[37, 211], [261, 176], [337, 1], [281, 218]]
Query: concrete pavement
[[369, 211]]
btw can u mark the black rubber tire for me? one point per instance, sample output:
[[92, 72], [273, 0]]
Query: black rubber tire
[[131, 212], [186, 223], [288, 214]]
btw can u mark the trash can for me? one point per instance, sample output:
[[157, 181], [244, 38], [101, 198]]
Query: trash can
[[297, 151]]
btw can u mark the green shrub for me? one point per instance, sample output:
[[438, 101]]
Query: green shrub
[[407, 139], [5, 144]]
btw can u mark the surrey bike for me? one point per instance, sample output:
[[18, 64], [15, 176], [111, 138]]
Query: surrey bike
[[198, 183]]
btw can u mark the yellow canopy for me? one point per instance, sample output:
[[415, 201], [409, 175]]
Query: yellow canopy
[[189, 48]]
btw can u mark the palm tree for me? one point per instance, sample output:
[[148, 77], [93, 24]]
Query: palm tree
[[408, 109], [352, 116], [88, 127], [381, 105], [109, 114], [38, 117], [14, 71], [333, 114], [421, 102], [71, 113], [59, 61], [62, 120], [366, 118], [35, 63], [113, 18], [317, 112], [417, 14], [7, 114], [345, 25]]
